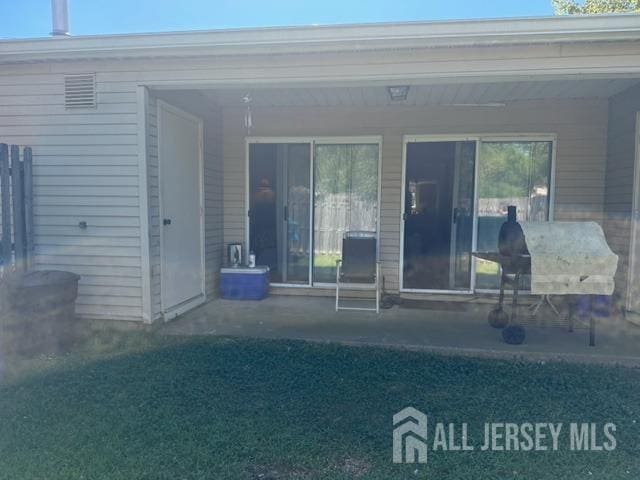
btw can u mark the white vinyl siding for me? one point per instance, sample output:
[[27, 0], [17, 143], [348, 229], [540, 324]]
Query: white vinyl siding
[[580, 127], [85, 169]]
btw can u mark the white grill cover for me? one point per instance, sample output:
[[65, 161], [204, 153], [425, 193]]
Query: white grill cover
[[569, 258]]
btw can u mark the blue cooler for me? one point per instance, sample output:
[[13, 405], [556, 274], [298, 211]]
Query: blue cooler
[[244, 283]]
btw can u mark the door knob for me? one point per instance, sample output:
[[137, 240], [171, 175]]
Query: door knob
[[166, 221]]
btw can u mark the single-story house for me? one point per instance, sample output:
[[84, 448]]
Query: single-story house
[[154, 152]]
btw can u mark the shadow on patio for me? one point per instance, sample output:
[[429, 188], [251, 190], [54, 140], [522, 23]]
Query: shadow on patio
[[453, 328]]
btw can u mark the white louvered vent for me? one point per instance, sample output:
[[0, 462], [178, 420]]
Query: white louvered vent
[[80, 91]]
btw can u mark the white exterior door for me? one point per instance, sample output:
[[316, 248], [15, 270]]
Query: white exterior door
[[181, 209]]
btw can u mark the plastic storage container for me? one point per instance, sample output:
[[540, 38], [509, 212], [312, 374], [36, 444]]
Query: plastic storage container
[[244, 283], [41, 316]]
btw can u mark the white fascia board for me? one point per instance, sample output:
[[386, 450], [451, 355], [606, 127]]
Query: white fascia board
[[560, 29]]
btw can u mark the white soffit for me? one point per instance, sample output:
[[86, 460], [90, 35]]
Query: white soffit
[[448, 94]]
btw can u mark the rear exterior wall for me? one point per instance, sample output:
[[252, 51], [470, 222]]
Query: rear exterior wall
[[90, 164], [579, 125]]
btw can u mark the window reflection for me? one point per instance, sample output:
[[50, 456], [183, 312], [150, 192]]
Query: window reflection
[[345, 199], [509, 173]]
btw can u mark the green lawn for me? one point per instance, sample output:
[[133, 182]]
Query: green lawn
[[222, 408]]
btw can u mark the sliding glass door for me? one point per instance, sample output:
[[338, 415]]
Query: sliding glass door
[[296, 226], [442, 207]]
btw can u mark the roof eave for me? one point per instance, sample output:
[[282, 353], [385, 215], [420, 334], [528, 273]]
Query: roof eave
[[327, 38]]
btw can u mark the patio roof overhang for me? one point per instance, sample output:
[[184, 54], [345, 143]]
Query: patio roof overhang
[[446, 94], [336, 38]]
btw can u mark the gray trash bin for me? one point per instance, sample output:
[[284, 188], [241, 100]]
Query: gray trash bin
[[41, 313]]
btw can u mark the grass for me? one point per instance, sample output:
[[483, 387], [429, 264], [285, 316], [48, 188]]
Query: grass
[[326, 260], [484, 267], [145, 407]]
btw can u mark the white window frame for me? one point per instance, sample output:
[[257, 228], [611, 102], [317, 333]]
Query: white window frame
[[312, 141]]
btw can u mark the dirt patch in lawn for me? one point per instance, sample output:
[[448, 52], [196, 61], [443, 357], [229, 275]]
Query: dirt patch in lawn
[[278, 472], [350, 466], [355, 467]]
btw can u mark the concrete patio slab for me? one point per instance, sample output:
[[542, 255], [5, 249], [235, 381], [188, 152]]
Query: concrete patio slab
[[461, 331]]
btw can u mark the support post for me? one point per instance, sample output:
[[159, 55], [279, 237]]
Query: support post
[[338, 263], [18, 208], [377, 287], [592, 323], [6, 206], [28, 204]]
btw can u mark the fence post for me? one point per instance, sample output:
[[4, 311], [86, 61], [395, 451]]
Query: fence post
[[17, 174], [5, 254], [28, 203]]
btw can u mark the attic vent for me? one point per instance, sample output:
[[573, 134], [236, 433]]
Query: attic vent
[[80, 91]]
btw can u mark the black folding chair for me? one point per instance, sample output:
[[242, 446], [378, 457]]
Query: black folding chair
[[359, 267]]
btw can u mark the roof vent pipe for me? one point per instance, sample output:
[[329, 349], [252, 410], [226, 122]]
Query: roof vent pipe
[[60, 18]]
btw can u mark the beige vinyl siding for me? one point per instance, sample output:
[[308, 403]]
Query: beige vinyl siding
[[86, 160], [580, 126], [619, 178], [85, 169], [195, 104]]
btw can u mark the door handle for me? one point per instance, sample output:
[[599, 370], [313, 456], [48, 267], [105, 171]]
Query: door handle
[[455, 215], [166, 221], [286, 213]]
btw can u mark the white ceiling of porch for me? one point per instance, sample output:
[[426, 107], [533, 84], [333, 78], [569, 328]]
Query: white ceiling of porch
[[450, 94]]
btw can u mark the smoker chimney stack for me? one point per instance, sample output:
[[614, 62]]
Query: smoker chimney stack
[[60, 18]]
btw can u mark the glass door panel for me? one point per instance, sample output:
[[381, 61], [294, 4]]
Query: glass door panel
[[438, 215], [279, 209], [298, 214], [345, 199], [509, 173]]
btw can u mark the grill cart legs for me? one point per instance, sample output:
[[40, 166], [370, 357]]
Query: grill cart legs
[[511, 333], [586, 307], [498, 318]]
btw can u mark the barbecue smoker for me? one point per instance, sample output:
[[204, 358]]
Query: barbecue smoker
[[515, 261], [563, 258]]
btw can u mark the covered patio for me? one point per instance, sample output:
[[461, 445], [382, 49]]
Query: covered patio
[[458, 328], [427, 167]]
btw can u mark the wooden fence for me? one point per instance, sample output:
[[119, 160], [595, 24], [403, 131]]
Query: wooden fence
[[336, 214], [533, 208], [16, 206]]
